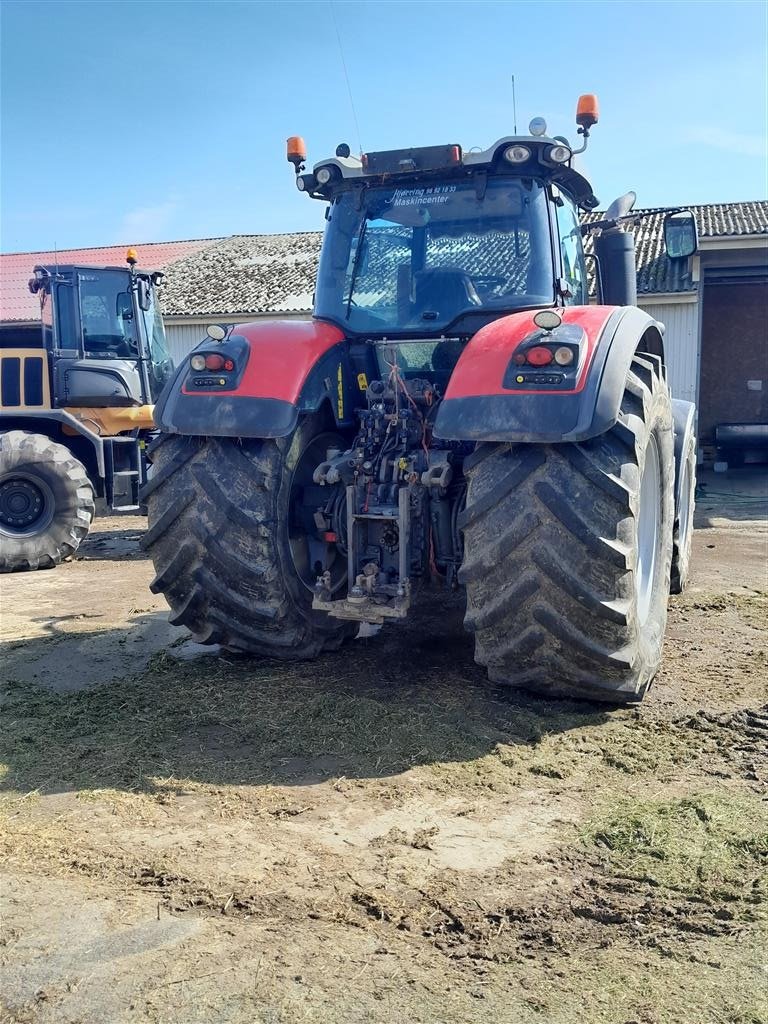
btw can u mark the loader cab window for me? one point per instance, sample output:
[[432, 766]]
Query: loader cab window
[[417, 259], [160, 363], [108, 321], [572, 261], [66, 334]]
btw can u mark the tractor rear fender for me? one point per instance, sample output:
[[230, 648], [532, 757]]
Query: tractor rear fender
[[283, 368], [484, 403]]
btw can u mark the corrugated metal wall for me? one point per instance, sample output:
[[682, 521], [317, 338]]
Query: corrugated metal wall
[[681, 342], [182, 338]]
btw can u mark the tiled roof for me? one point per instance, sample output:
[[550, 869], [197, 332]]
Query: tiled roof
[[656, 273], [16, 300], [245, 274], [254, 274], [276, 273]]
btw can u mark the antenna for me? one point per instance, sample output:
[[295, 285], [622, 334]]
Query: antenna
[[346, 76], [514, 106]]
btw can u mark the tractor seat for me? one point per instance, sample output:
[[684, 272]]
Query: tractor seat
[[445, 291]]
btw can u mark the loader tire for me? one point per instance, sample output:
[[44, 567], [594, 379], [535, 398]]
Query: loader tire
[[567, 551], [219, 534], [46, 502]]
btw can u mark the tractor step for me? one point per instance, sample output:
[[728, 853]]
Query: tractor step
[[122, 473]]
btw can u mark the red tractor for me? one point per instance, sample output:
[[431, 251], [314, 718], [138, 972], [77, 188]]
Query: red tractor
[[454, 410]]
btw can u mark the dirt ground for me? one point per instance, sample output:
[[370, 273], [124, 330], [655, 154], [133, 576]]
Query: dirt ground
[[380, 835]]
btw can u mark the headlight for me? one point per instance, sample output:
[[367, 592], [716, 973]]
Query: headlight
[[517, 154], [197, 362], [563, 355], [324, 175], [559, 154]]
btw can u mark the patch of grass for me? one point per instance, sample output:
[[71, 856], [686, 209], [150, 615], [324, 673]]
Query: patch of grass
[[218, 723], [708, 845]]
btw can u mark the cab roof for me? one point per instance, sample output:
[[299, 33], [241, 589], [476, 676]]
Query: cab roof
[[449, 162]]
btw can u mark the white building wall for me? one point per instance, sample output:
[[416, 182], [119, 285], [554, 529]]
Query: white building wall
[[681, 344], [182, 338]]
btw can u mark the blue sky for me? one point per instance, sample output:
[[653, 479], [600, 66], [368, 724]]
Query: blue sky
[[135, 122]]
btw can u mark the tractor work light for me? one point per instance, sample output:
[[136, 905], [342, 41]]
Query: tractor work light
[[559, 154], [547, 319], [517, 154], [538, 126]]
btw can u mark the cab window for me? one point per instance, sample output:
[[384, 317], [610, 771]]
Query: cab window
[[571, 251]]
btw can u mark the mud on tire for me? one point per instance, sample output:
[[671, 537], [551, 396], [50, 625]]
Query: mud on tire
[[552, 539], [218, 513], [46, 502]]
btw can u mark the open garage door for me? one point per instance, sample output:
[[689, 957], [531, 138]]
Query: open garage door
[[734, 352]]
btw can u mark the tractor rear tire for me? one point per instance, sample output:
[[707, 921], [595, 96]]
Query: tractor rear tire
[[46, 502], [218, 534], [568, 550]]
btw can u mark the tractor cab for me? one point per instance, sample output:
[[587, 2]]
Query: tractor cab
[[434, 240], [104, 333]]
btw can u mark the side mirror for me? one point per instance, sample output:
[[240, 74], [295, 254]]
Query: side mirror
[[144, 293], [681, 238]]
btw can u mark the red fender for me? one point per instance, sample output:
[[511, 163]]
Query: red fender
[[281, 369], [280, 355], [491, 398], [483, 363]]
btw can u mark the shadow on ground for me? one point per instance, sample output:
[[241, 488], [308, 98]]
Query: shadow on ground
[[116, 544], [409, 696], [740, 495]]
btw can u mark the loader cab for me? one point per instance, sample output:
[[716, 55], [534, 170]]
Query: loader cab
[[104, 335]]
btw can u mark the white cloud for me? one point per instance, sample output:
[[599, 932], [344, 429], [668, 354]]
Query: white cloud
[[741, 143], [147, 223]]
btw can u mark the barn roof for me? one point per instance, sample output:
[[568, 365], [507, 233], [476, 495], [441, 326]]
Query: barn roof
[[17, 302], [656, 273], [257, 274]]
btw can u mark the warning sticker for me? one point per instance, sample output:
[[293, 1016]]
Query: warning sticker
[[340, 393]]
